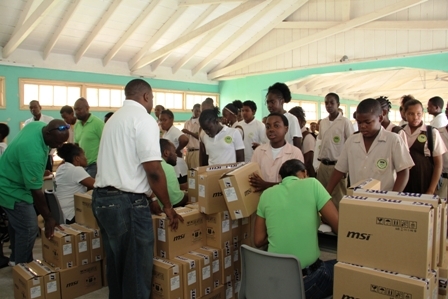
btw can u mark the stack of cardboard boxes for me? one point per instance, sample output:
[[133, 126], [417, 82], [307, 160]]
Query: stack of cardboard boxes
[[72, 264], [390, 244], [201, 259]]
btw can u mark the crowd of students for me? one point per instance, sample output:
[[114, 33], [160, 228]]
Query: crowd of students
[[132, 153]]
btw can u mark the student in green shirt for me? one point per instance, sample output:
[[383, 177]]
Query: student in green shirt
[[287, 220], [21, 184]]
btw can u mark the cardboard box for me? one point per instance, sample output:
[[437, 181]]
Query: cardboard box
[[440, 217], [227, 265], [245, 231], [60, 250], [371, 184], [50, 278], [219, 231], [83, 210], [216, 257], [82, 244], [189, 235], [154, 227], [80, 280], [352, 281], [383, 233], [204, 261], [95, 242], [204, 189], [230, 291], [240, 196], [27, 283], [190, 277], [218, 293], [193, 206], [166, 279]]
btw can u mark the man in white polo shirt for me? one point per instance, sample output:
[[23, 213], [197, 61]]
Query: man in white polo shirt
[[129, 165]]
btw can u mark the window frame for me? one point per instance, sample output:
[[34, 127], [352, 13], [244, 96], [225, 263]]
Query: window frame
[[299, 103]]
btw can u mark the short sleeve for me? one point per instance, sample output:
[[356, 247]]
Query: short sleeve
[[439, 145], [33, 174], [238, 140], [321, 195], [79, 174], [294, 127], [400, 155], [349, 130], [308, 144], [298, 154], [147, 140], [342, 164]]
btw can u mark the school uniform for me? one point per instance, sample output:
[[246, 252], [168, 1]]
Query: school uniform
[[401, 133], [439, 121], [421, 174], [192, 157], [222, 148], [387, 155], [293, 128], [181, 167], [308, 142], [442, 192], [254, 132], [333, 135]]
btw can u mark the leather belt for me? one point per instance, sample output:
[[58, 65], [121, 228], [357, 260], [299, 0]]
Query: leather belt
[[193, 149], [445, 175], [311, 268], [327, 162], [113, 189]]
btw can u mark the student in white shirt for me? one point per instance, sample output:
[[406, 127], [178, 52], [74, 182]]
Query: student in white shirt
[[435, 108], [179, 140], [191, 129], [71, 178], [220, 144], [35, 109], [254, 130], [230, 118], [277, 95], [4, 132]]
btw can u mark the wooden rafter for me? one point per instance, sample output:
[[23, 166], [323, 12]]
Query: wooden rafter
[[145, 13], [31, 22], [225, 18], [85, 46], [24, 15], [54, 38], [390, 9], [202, 2], [380, 25]]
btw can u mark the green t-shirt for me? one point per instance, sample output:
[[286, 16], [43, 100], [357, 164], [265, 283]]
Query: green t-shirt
[[176, 195], [291, 213], [23, 165], [88, 137]]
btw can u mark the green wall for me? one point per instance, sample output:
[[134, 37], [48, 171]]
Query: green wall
[[13, 115], [254, 87]]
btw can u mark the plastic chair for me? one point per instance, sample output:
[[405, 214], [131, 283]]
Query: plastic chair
[[268, 275], [54, 206]]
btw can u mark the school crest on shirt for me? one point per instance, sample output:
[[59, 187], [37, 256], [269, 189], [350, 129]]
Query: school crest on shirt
[[422, 138], [228, 139], [381, 164], [336, 139]]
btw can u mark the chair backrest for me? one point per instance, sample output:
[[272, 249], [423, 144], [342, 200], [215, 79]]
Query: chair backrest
[[268, 275], [54, 206]]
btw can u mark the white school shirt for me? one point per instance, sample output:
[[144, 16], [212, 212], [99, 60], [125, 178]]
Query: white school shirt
[[333, 135], [387, 155], [193, 126], [444, 136], [3, 147], [129, 139], [308, 143], [173, 135], [293, 128], [439, 146], [401, 133], [254, 132], [67, 179], [439, 121], [43, 118], [221, 149]]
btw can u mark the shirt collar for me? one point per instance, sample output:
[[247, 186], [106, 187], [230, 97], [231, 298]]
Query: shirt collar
[[289, 179], [381, 137], [129, 102]]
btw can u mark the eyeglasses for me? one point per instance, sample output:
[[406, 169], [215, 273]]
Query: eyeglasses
[[61, 128]]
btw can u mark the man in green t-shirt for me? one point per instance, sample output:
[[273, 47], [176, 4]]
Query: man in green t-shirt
[[21, 184], [178, 198], [88, 131]]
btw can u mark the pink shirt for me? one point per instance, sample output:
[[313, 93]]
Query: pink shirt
[[270, 167]]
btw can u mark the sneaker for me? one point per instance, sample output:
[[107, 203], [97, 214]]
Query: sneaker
[[11, 264]]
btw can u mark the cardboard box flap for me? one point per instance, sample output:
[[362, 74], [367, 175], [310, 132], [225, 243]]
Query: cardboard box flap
[[203, 256], [235, 171], [211, 168], [384, 194], [390, 203], [166, 264], [26, 271], [44, 269]]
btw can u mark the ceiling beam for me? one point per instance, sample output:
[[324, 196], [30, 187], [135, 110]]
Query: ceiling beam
[[54, 38], [381, 25], [225, 18], [27, 27], [104, 18], [400, 92], [345, 26], [295, 5], [201, 2], [235, 36], [165, 27], [124, 38], [194, 25], [206, 38], [24, 15], [345, 6]]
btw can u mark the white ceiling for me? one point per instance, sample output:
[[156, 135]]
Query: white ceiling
[[206, 40]]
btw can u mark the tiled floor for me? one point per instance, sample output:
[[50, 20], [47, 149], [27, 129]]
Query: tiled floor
[[6, 285]]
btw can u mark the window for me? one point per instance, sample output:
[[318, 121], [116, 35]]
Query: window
[[352, 110], [394, 116], [191, 99], [49, 93], [105, 96], [427, 117], [310, 108], [2, 92], [323, 111]]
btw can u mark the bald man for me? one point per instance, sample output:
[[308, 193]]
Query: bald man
[[88, 131], [21, 185]]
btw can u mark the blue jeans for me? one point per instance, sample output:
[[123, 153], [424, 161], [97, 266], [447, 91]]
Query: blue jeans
[[319, 284], [22, 230], [91, 169], [126, 225]]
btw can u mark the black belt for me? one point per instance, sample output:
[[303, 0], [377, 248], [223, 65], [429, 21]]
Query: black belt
[[327, 162], [311, 268], [193, 149], [445, 175], [113, 189]]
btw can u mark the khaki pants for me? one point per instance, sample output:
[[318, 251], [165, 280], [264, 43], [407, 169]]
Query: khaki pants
[[192, 159], [323, 176]]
